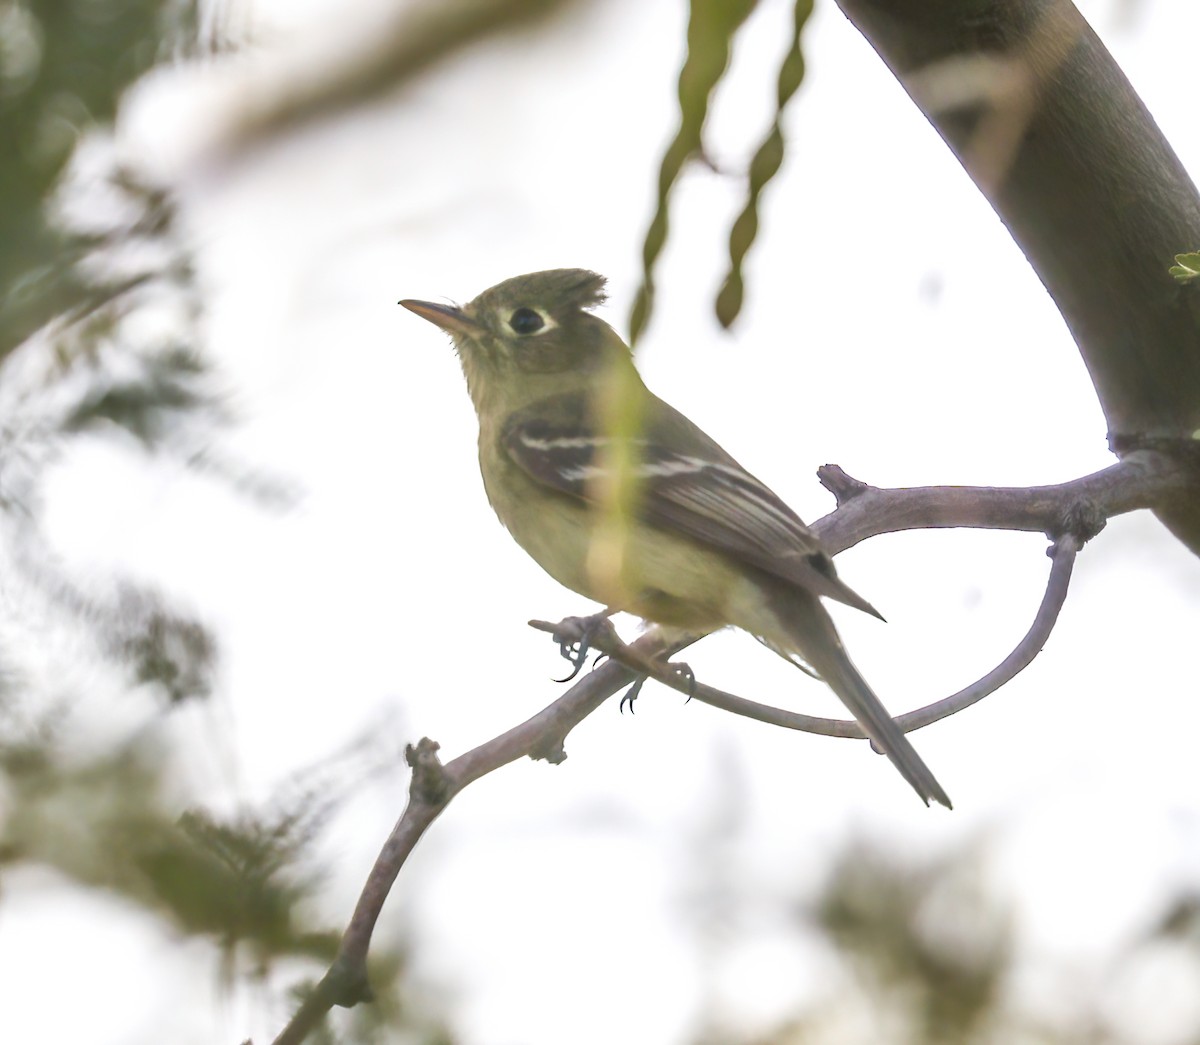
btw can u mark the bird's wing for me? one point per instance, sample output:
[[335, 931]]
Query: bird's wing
[[701, 492]]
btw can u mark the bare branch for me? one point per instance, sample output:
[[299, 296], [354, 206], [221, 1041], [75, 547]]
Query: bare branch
[[1080, 507], [432, 788]]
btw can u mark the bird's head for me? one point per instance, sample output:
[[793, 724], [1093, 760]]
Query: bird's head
[[528, 329]]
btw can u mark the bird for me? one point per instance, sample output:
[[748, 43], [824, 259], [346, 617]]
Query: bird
[[624, 500]]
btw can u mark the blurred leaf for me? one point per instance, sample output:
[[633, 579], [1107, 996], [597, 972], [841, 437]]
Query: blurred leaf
[[146, 405], [173, 652], [64, 810], [1182, 919], [109, 821], [711, 28], [931, 937], [126, 361], [131, 628], [236, 880], [929, 954], [418, 37], [763, 167], [64, 67]]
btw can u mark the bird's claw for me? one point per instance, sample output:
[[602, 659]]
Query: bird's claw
[[631, 694], [680, 669], [684, 671], [574, 639]]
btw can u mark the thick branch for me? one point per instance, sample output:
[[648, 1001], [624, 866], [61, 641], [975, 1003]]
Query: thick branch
[[1087, 184], [1046, 124]]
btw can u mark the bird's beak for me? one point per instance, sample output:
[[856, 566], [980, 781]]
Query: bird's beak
[[450, 319]]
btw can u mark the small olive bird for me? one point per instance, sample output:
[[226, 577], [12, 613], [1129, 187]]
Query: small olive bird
[[621, 498]]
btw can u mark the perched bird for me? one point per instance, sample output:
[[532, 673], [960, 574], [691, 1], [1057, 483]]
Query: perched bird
[[621, 498]]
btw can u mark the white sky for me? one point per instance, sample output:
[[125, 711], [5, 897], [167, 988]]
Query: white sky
[[891, 326]]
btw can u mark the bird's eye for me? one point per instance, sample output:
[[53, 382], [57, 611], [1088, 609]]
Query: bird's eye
[[526, 321]]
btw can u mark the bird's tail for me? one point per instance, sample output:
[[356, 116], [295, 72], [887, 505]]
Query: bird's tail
[[814, 638]]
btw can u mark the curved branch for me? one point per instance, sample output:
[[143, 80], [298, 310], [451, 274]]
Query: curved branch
[[1063, 555]]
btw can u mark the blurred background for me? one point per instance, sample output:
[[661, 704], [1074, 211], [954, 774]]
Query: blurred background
[[247, 556]]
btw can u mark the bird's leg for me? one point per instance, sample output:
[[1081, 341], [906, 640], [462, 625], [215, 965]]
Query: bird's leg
[[574, 637]]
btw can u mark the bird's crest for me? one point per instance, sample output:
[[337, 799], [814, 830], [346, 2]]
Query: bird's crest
[[554, 289]]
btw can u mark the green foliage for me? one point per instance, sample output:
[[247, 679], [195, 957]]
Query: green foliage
[[929, 941], [108, 816], [1186, 267], [99, 323], [147, 404], [236, 880], [96, 288], [94, 380], [83, 258], [63, 67], [928, 954], [763, 167], [711, 29]]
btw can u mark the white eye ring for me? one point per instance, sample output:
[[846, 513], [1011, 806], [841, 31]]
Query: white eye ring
[[526, 312]]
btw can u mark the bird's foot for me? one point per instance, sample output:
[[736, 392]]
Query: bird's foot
[[574, 637], [685, 672], [631, 694], [677, 668]]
